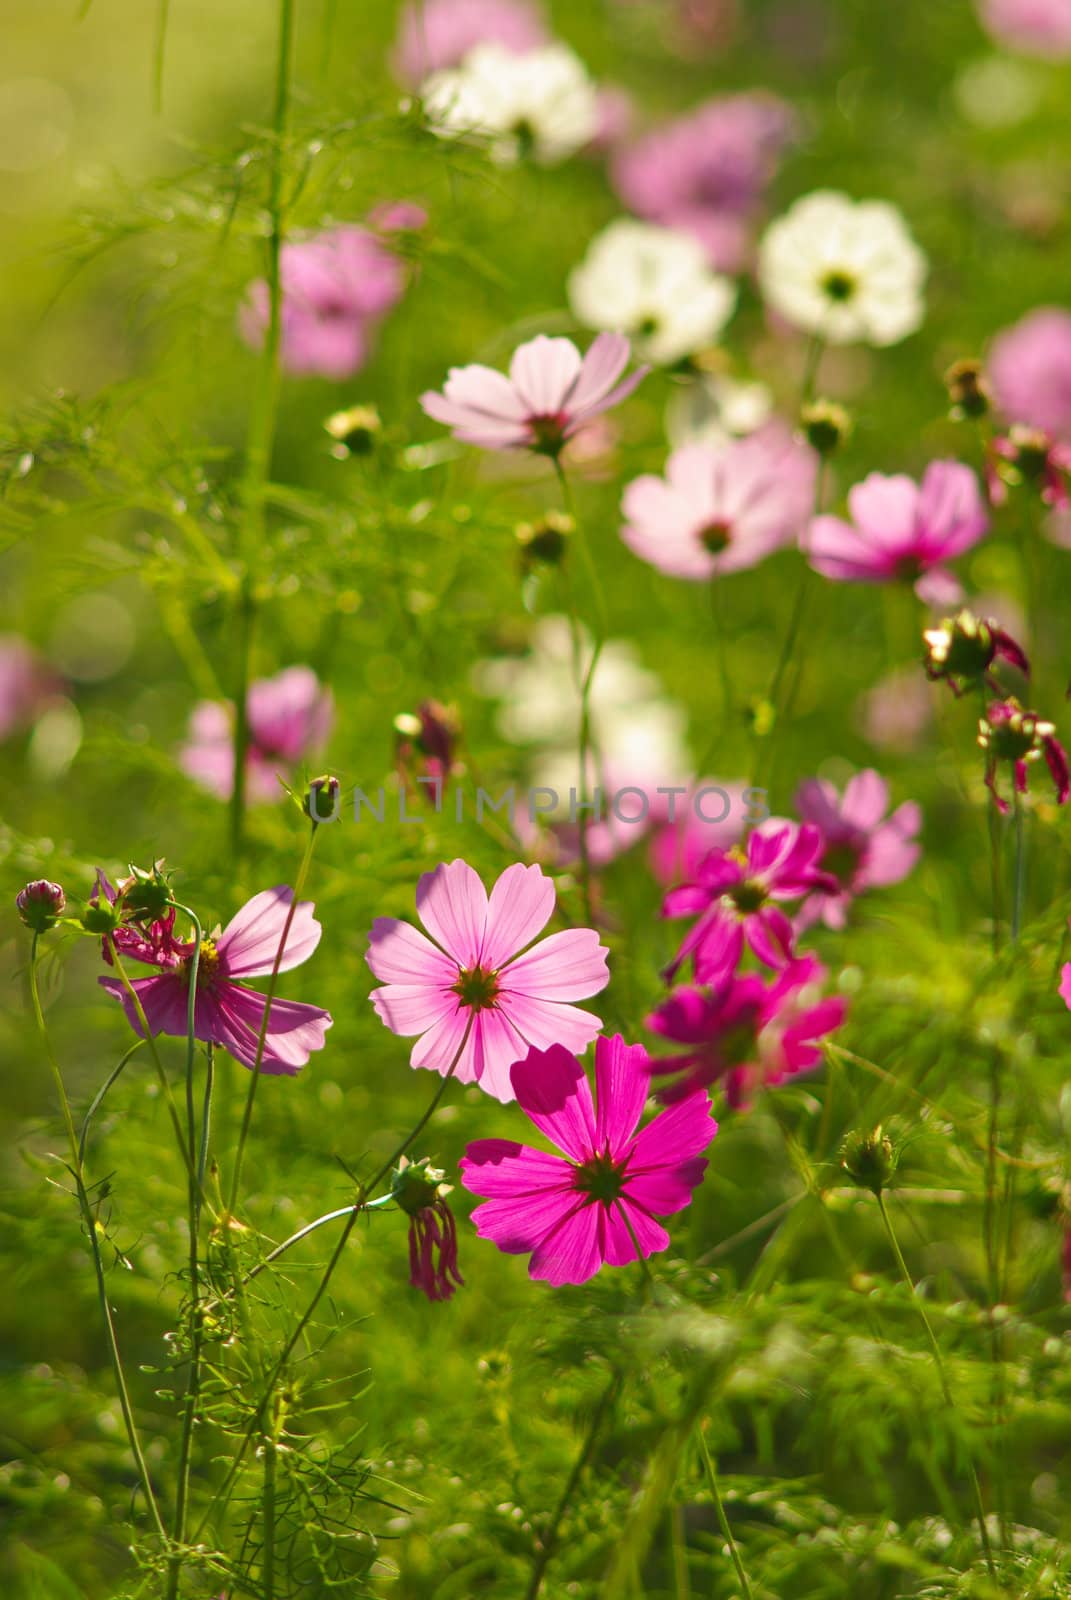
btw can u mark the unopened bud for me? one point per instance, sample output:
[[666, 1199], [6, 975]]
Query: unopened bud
[[415, 1185], [41, 904], [355, 431], [968, 390], [146, 895], [321, 803], [869, 1159], [825, 426]]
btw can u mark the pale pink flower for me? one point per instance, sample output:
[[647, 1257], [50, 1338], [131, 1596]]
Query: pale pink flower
[[27, 685], [897, 713], [479, 974], [903, 531], [290, 717], [336, 286], [722, 507], [1038, 27], [549, 395], [596, 1204], [1029, 370], [227, 1014], [435, 34], [706, 172], [862, 847]]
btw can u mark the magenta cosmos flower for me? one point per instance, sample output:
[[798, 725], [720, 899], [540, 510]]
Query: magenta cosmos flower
[[721, 508], [746, 1034], [1029, 369], [901, 530], [335, 287], [550, 393], [435, 34], [597, 1203], [476, 975], [862, 847], [227, 1014], [706, 172], [735, 896], [1038, 27], [290, 717]]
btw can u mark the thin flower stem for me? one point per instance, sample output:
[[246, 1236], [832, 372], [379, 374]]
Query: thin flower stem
[[150, 1039], [995, 872], [98, 1099], [311, 1227], [976, 1491], [262, 419], [325, 1279], [548, 1543], [719, 1512], [267, 1575], [247, 1115], [588, 676], [89, 1222], [1019, 888]]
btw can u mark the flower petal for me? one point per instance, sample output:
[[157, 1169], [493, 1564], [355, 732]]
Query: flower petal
[[553, 1092], [452, 904], [520, 907], [565, 966], [399, 953], [622, 1085], [249, 944]]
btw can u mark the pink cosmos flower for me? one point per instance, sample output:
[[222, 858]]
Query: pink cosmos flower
[[596, 1204], [290, 717], [27, 685], [551, 392], [477, 975], [705, 173], [903, 530], [336, 285], [721, 508], [1014, 737], [897, 713], [1039, 27], [227, 1013], [746, 1034], [1029, 369], [862, 848], [735, 896], [434, 34]]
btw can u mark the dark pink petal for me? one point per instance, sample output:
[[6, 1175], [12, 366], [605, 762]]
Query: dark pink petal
[[665, 1190], [570, 1252], [498, 1169], [771, 936], [676, 1135], [622, 1085], [452, 904], [688, 900], [250, 943], [1056, 760], [163, 1000], [553, 1091], [1064, 990], [719, 949], [620, 1236], [520, 907], [565, 966], [518, 1225], [399, 953]]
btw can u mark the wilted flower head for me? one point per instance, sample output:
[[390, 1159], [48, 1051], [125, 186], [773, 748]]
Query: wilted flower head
[[550, 393], [1027, 457], [41, 904], [541, 104], [654, 284], [904, 531], [424, 741], [1010, 735], [735, 898], [844, 270], [862, 848], [962, 650], [1038, 27], [482, 992], [722, 508], [434, 34], [705, 173], [596, 1204], [290, 717], [825, 426], [354, 431], [420, 1191], [746, 1034], [1030, 370], [336, 286], [268, 934]]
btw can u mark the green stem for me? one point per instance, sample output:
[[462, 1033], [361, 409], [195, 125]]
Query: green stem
[[89, 1222], [1020, 864], [719, 1512], [268, 1564], [262, 417], [995, 873], [549, 1540], [247, 1116], [150, 1039], [976, 1492]]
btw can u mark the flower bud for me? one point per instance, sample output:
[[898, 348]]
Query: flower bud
[[321, 802], [100, 918], [546, 541], [355, 432], [825, 426], [145, 896], [41, 904], [869, 1159], [968, 391], [415, 1185]]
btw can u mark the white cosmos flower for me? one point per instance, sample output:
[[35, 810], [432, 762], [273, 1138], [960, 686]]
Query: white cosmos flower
[[845, 270], [542, 103], [654, 284]]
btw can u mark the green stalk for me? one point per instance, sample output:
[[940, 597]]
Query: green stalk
[[549, 1541], [719, 1512]]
